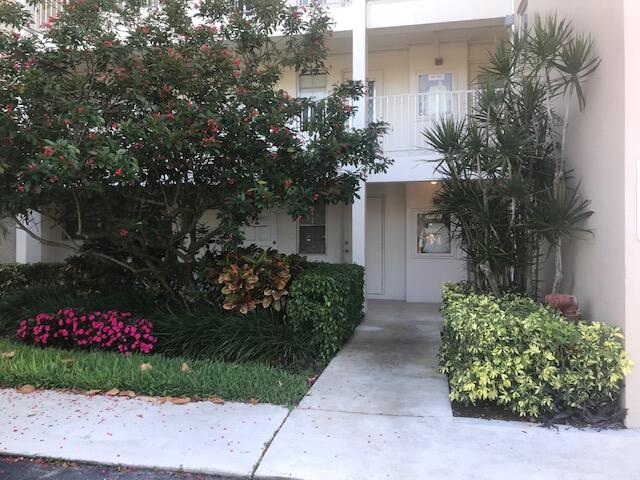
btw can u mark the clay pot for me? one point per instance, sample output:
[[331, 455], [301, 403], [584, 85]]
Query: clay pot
[[567, 304]]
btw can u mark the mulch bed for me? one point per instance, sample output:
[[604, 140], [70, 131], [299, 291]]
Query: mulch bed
[[489, 411]]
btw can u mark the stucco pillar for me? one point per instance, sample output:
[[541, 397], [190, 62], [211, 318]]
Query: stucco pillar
[[28, 249], [359, 67]]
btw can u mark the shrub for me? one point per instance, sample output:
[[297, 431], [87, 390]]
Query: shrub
[[111, 330], [80, 273], [252, 277], [325, 302], [524, 356], [19, 276], [210, 332]]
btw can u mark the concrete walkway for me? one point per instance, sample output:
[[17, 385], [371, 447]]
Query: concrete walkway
[[379, 411], [202, 437]]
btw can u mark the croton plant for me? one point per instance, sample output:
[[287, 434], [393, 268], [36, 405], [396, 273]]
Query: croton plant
[[254, 277]]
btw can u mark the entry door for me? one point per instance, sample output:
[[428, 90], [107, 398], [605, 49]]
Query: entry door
[[374, 245], [262, 232]]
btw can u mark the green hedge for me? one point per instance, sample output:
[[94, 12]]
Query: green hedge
[[19, 276], [524, 356], [325, 305], [81, 274]]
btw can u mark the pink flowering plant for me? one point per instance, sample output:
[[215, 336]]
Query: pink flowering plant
[[71, 328]]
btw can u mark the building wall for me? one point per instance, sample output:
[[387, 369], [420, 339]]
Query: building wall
[[632, 199], [425, 275], [394, 13], [7, 241], [396, 70], [601, 271], [284, 233]]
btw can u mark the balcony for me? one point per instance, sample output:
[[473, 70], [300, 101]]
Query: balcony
[[409, 115]]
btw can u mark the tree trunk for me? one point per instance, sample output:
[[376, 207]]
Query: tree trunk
[[493, 283], [559, 275]]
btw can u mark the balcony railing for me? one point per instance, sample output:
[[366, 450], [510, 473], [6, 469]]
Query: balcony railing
[[329, 3], [409, 115], [45, 11]]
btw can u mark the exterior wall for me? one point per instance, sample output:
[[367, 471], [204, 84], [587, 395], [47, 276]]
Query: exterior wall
[[425, 275], [392, 13], [632, 200], [602, 147], [7, 241], [284, 233], [397, 13], [396, 73]]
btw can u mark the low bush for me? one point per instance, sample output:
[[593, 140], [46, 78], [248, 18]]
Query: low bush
[[209, 332], [252, 278], [79, 274], [325, 306], [162, 376], [111, 330], [18, 276], [524, 356]]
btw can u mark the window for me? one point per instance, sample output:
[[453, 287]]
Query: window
[[311, 233], [432, 236], [314, 87], [435, 94], [371, 107], [485, 80]]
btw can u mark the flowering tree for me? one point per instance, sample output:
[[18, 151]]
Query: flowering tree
[[124, 124]]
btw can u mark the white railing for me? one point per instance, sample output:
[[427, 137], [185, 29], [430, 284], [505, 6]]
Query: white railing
[[329, 3], [409, 115], [48, 10], [45, 11]]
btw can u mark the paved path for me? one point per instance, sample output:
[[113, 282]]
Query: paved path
[[378, 412], [200, 437]]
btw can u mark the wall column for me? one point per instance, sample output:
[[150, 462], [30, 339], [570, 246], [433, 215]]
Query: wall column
[[359, 68], [28, 249]]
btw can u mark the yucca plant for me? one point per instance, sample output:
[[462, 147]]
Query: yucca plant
[[506, 188]]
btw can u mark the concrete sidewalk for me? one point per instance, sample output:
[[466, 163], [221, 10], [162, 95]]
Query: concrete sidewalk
[[379, 411], [202, 437]]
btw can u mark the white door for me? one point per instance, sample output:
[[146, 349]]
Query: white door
[[262, 232], [374, 245]]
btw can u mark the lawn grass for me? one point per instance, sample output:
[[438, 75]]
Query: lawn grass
[[52, 368]]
